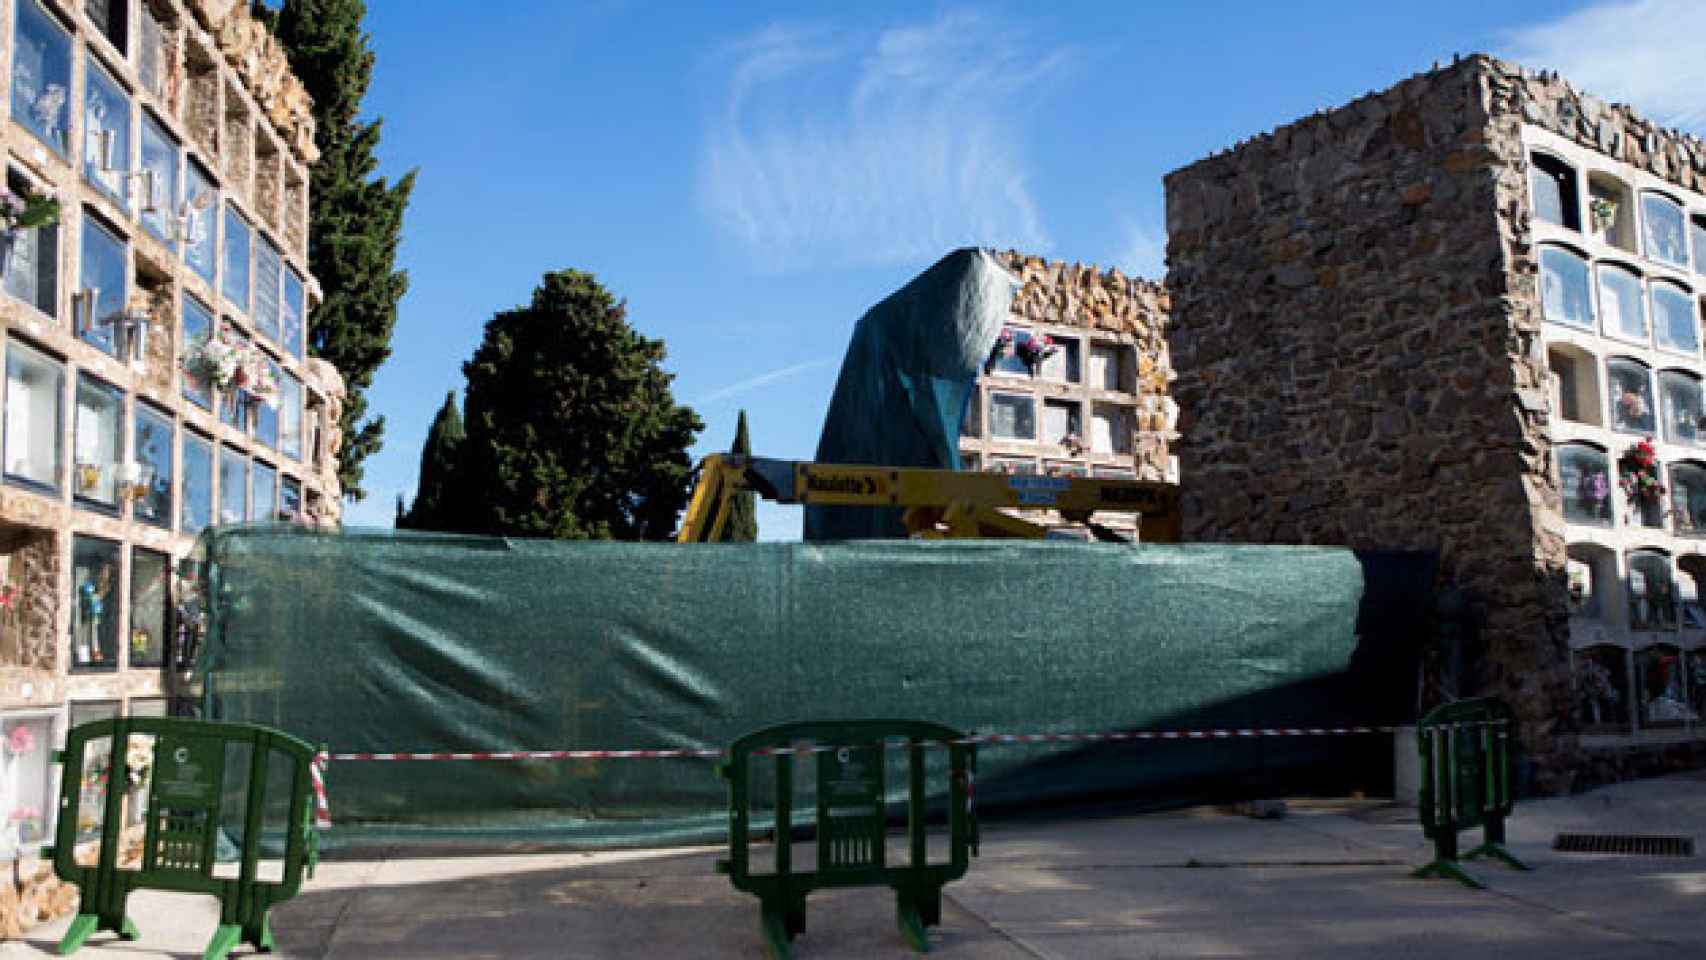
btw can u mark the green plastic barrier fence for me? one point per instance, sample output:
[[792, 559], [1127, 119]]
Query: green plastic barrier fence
[[851, 810], [1468, 769], [198, 788]]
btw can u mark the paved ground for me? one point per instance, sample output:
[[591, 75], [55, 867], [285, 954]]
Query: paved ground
[[1330, 880]]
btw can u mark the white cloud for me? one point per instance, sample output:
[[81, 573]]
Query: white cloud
[[753, 383], [1647, 53], [1145, 251], [834, 148]]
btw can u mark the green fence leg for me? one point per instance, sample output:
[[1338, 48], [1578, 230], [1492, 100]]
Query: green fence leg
[[225, 939], [86, 925], [1493, 846], [106, 889], [912, 909]]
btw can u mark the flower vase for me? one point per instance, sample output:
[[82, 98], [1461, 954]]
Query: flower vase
[[8, 240]]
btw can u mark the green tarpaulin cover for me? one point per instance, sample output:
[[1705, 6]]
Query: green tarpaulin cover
[[382, 642], [910, 369]]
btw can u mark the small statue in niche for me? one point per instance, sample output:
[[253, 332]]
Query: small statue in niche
[[92, 597]]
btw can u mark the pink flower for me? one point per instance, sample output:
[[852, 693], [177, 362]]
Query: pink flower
[[21, 741]]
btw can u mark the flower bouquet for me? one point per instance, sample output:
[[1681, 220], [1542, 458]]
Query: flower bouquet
[[26, 211], [1604, 210], [20, 741], [1033, 350], [19, 213], [138, 761], [26, 818], [1002, 349], [225, 362], [88, 477], [1639, 474]]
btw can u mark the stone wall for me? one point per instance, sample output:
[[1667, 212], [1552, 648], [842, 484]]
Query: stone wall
[[1054, 292], [1356, 367], [28, 640], [261, 62]]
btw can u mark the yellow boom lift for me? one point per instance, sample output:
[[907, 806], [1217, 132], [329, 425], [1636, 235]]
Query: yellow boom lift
[[939, 504]]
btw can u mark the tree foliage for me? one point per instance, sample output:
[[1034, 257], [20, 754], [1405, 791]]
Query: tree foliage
[[742, 525], [434, 492], [356, 218], [571, 428]]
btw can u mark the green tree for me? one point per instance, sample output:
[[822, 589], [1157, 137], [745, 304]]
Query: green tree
[[356, 218], [572, 430], [742, 525], [434, 490]]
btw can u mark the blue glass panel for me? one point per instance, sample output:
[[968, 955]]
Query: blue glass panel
[[99, 442], [290, 417], [198, 326], [106, 111], [1673, 318], [41, 75], [233, 486], [160, 155], [263, 492], [267, 264], [1621, 304], [105, 273], [153, 440], [291, 318], [236, 283], [1585, 477], [266, 417], [1564, 291], [195, 217], [289, 499], [1666, 230], [198, 485]]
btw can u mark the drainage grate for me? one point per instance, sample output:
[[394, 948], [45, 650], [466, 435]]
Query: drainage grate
[[1624, 843]]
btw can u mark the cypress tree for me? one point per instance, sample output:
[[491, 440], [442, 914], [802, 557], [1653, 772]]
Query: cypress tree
[[355, 218], [742, 525], [572, 431], [434, 495]]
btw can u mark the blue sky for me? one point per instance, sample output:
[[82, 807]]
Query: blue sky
[[752, 177]]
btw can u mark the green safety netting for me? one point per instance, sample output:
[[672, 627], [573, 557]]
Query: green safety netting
[[910, 370], [384, 642]]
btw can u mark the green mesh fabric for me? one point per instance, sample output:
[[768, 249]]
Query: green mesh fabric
[[382, 642]]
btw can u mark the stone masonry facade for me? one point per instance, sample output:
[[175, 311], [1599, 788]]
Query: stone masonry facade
[[1358, 328], [1100, 404], [178, 144]]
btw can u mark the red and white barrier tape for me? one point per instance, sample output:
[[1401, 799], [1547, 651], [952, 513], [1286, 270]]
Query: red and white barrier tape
[[322, 812], [323, 815]]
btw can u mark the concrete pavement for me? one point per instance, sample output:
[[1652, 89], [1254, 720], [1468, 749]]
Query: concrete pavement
[[1330, 880]]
